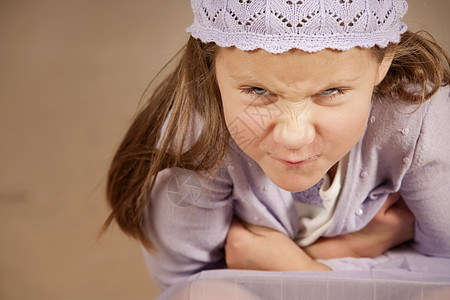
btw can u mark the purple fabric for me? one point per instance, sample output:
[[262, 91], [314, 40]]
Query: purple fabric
[[399, 274], [311, 196], [309, 25]]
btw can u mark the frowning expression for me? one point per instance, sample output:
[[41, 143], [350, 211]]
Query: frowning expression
[[296, 113]]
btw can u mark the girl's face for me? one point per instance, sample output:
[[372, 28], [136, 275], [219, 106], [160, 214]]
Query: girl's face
[[296, 113]]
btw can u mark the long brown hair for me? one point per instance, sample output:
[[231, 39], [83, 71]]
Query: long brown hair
[[192, 89], [145, 150], [419, 68]]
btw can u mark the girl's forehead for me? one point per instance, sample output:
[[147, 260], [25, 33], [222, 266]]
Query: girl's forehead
[[295, 70], [261, 59]]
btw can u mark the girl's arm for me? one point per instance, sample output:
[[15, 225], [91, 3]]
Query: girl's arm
[[426, 185], [391, 226], [260, 248], [187, 220]]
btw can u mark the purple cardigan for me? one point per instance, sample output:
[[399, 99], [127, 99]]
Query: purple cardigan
[[404, 148]]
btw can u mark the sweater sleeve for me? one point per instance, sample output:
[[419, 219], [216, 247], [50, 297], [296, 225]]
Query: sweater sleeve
[[426, 185], [187, 221]]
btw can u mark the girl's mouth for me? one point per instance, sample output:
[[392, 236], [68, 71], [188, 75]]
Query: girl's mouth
[[294, 163]]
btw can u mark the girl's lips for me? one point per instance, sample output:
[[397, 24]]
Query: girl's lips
[[295, 163]]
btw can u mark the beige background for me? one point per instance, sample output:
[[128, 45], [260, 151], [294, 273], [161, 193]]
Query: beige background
[[71, 74]]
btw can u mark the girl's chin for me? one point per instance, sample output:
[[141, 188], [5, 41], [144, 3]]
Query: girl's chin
[[292, 185]]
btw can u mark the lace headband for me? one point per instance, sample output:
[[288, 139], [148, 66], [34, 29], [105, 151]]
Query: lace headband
[[310, 25]]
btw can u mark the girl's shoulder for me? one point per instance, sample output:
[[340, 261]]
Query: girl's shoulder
[[399, 118], [402, 131]]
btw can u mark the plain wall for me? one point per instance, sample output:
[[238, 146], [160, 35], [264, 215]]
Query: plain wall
[[71, 75]]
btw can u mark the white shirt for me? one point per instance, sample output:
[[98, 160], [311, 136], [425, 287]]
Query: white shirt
[[315, 220]]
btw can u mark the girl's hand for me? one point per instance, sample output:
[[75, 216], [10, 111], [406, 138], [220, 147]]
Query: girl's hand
[[259, 248], [391, 226]]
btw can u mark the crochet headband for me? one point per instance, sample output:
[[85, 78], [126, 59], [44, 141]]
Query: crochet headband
[[310, 25]]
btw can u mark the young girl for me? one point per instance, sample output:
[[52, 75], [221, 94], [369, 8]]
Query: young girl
[[287, 125]]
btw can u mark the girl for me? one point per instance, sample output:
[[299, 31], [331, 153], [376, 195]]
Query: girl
[[301, 118]]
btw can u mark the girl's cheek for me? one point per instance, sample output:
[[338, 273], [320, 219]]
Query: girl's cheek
[[252, 114], [243, 128], [259, 119]]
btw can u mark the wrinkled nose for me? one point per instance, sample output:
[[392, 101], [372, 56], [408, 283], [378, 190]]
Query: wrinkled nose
[[294, 132]]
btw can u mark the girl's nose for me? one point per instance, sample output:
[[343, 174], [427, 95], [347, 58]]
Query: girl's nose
[[294, 132]]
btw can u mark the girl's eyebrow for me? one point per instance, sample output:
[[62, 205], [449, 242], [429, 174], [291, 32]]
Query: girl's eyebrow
[[345, 80], [250, 80], [242, 77]]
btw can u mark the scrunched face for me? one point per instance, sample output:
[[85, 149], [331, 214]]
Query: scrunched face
[[297, 114]]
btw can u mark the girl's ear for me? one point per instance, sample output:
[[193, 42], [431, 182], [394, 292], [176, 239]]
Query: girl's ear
[[385, 64]]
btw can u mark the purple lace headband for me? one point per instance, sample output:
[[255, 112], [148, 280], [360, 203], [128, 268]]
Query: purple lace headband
[[310, 25]]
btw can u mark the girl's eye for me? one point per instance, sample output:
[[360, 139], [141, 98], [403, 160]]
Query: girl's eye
[[257, 91], [259, 95], [331, 96], [332, 92], [260, 91]]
